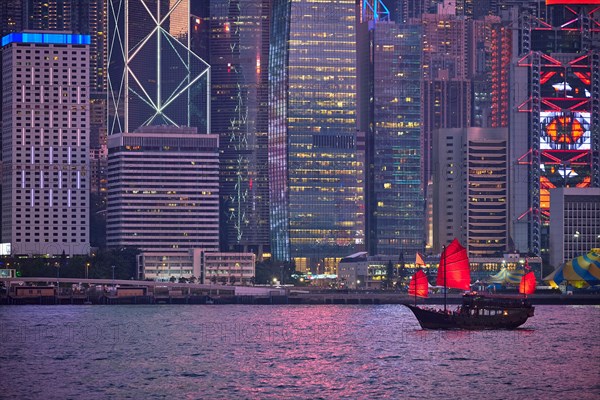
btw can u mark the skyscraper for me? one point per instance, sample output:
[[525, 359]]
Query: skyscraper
[[51, 15], [153, 77], [489, 61], [395, 206], [487, 191], [11, 17], [315, 167], [86, 17], [471, 189], [555, 127], [45, 146], [239, 57], [405, 10], [500, 54], [446, 93]]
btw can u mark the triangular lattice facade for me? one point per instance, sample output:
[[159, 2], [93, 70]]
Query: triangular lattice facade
[[153, 76]]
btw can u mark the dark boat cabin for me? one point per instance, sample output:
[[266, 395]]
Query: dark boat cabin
[[475, 301]]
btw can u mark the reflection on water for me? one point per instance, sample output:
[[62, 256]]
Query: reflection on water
[[290, 351]]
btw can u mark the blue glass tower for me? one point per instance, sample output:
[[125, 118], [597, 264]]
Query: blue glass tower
[[395, 201], [315, 162]]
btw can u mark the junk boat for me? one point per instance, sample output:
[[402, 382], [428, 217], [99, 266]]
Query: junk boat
[[478, 311]]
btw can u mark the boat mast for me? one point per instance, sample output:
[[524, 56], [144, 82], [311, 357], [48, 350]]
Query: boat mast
[[414, 276], [445, 268]]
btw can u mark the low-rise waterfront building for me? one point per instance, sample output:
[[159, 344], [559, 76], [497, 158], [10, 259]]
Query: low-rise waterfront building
[[360, 270], [205, 266], [233, 268], [352, 270], [574, 223]]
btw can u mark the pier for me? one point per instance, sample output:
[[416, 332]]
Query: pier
[[44, 290]]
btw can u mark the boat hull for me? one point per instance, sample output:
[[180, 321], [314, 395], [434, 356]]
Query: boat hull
[[436, 319]]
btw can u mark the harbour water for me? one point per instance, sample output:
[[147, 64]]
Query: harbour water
[[304, 351]]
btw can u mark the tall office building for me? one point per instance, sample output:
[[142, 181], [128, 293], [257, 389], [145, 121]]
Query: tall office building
[[555, 127], [163, 189], [11, 20], [50, 15], [475, 159], [153, 76], [446, 86], [238, 33], [87, 17], [45, 143], [98, 143], [500, 55], [403, 11], [487, 191], [163, 179], [449, 180], [11, 17], [489, 62], [315, 166], [395, 205]]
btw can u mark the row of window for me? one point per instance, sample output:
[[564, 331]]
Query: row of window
[[48, 50], [56, 83], [83, 240], [20, 125], [73, 144], [55, 228]]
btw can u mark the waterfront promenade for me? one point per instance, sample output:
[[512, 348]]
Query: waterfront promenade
[[44, 290]]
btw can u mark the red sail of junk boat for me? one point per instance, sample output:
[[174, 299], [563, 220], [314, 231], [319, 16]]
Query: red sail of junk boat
[[478, 311], [527, 285], [418, 285]]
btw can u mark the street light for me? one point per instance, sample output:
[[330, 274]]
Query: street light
[[113, 270], [87, 265]]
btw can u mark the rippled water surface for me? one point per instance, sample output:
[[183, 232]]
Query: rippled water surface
[[197, 351]]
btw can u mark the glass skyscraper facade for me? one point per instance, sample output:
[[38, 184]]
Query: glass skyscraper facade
[[152, 74], [316, 171], [396, 204], [239, 59]]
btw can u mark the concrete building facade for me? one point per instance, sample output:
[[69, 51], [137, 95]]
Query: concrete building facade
[[163, 189], [471, 189], [205, 266], [574, 223], [45, 143]]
